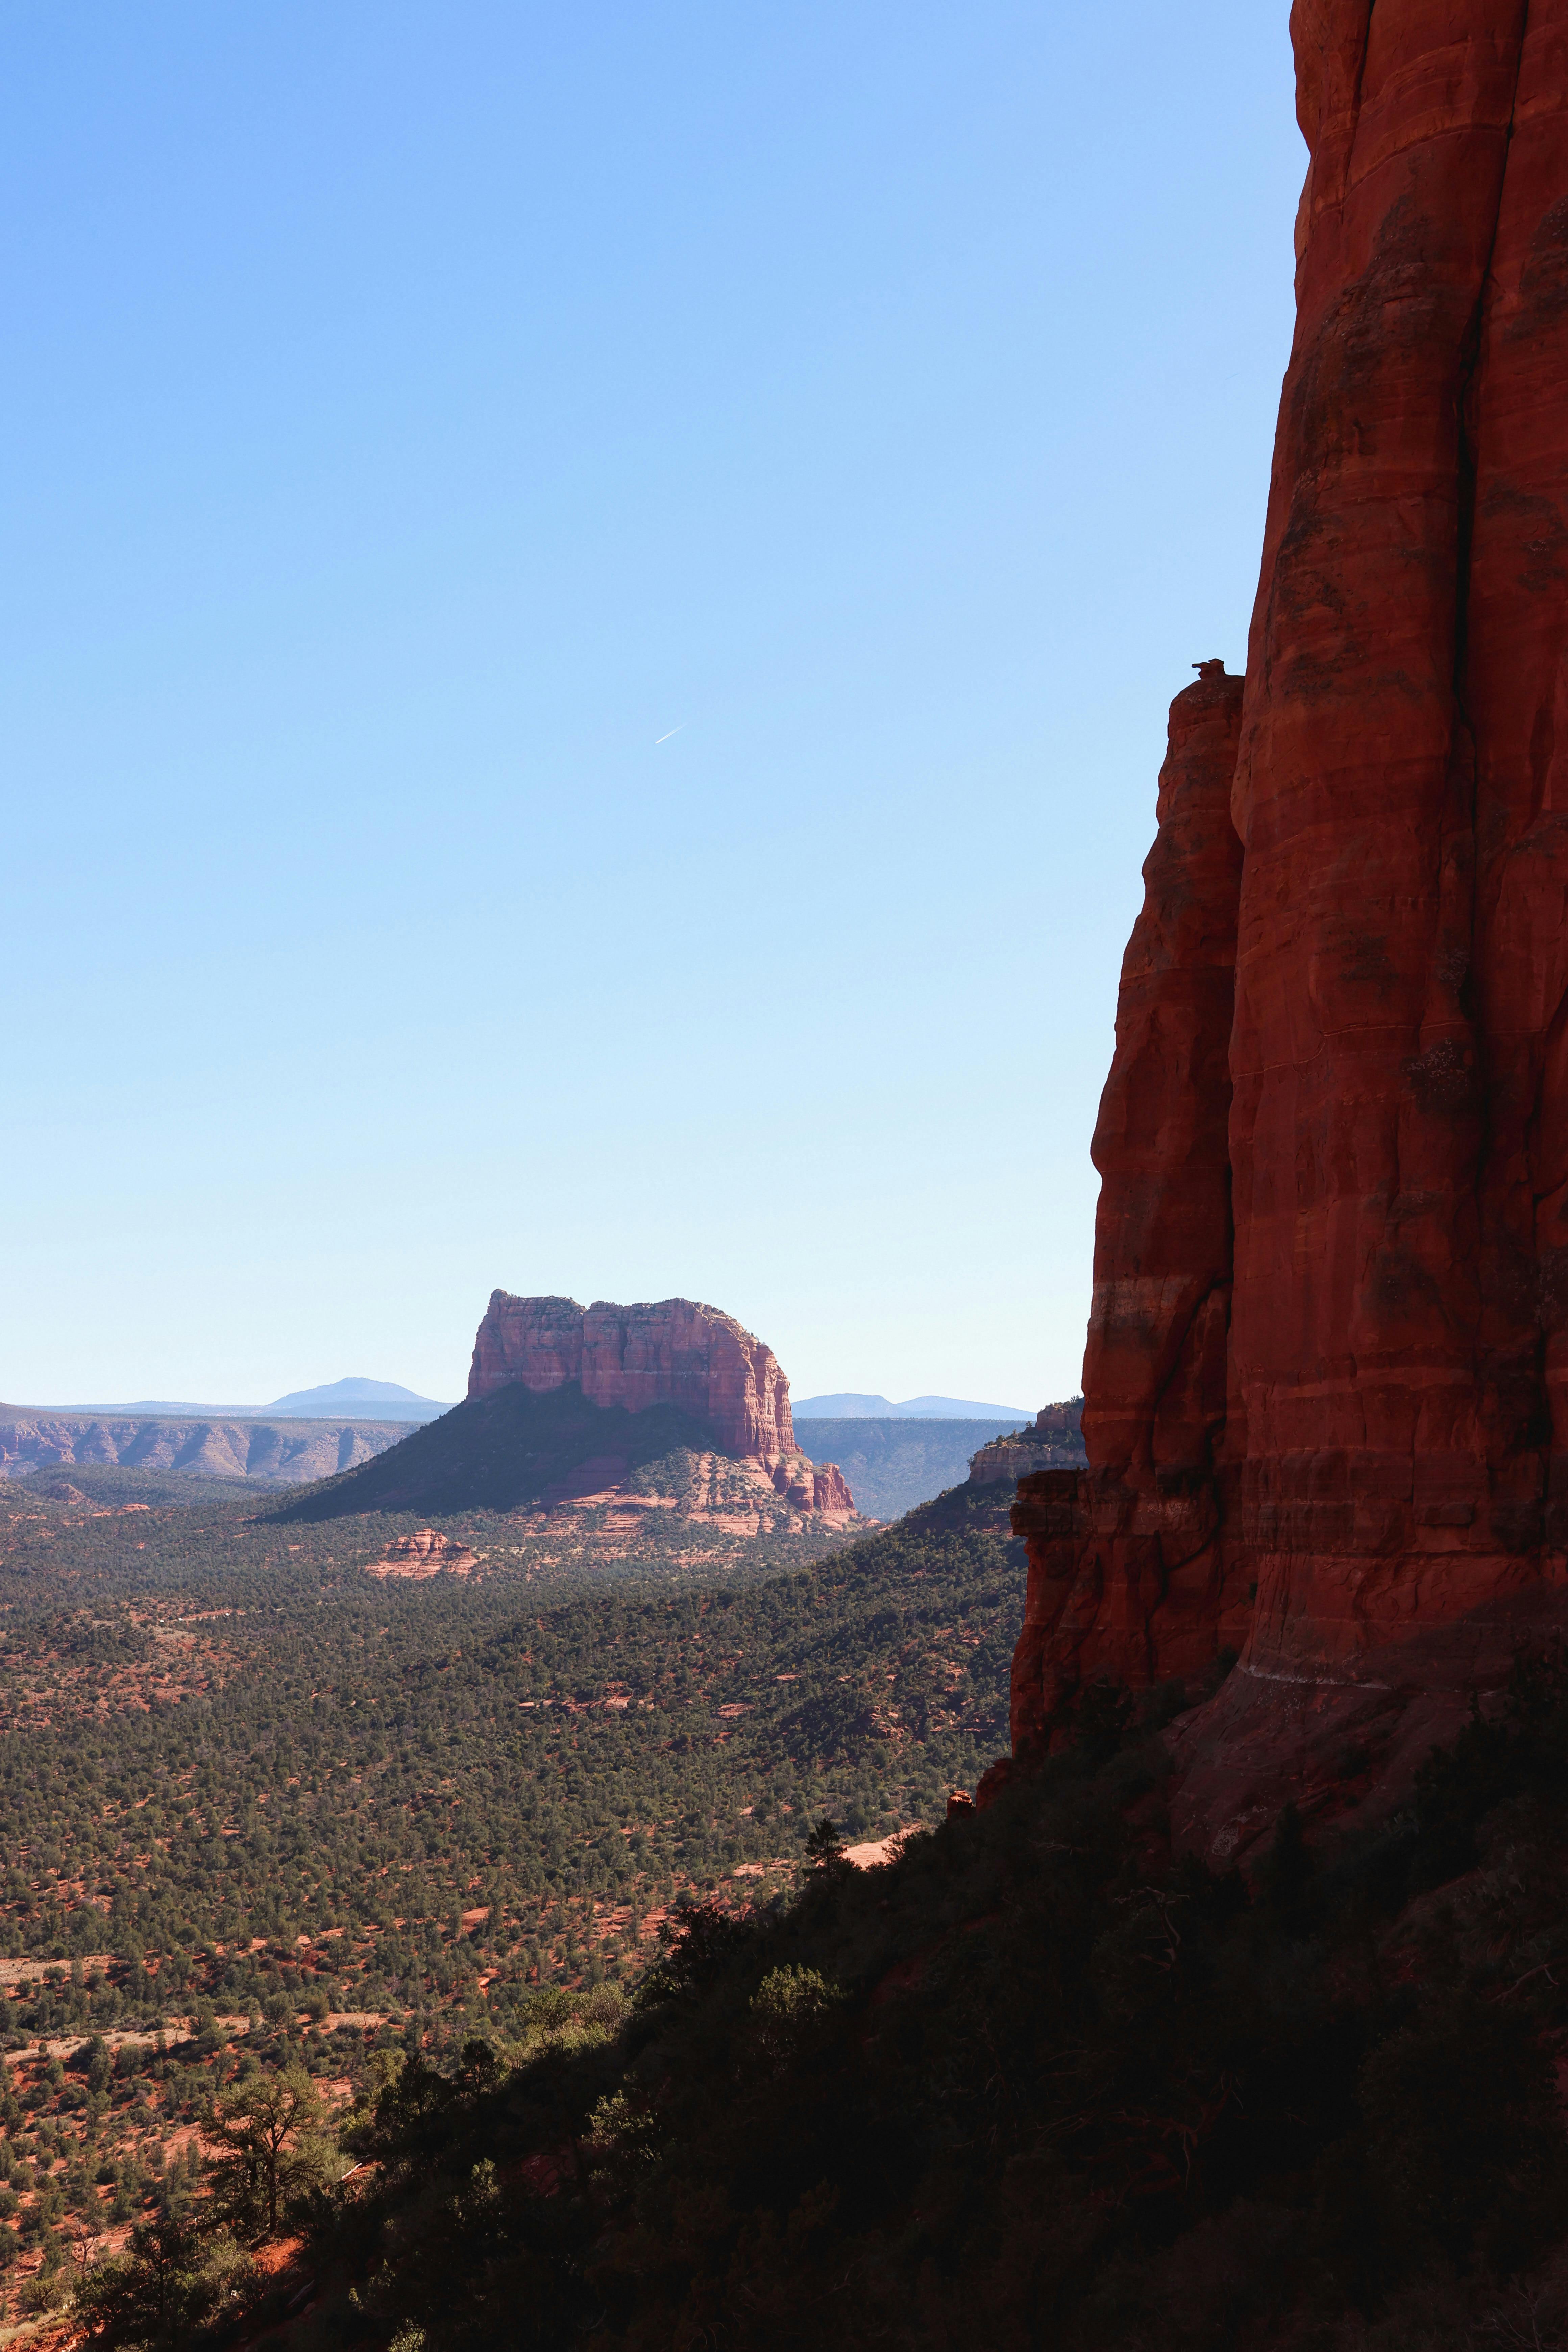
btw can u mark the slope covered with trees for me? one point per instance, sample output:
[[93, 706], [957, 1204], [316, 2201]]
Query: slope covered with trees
[[259, 1802], [1036, 2084], [500, 1452]]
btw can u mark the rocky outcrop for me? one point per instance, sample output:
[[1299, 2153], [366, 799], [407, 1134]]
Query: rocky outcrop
[[1327, 1377], [423, 1554], [273, 1453], [1053, 1440], [813, 1486], [675, 1352]]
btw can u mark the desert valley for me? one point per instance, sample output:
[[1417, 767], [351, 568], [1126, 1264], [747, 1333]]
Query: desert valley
[[437, 1745], [621, 1862]]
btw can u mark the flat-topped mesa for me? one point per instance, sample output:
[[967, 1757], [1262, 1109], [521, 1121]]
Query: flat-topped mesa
[[672, 1352], [1327, 1379]]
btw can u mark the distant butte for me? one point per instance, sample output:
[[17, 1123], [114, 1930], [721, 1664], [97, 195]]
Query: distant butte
[[672, 1408], [1326, 1385], [675, 1352]]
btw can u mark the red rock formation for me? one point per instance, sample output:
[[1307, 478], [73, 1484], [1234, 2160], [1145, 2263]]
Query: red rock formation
[[828, 1487], [425, 1554], [1126, 1578], [1053, 1441], [1389, 1469], [675, 1352], [1379, 1441]]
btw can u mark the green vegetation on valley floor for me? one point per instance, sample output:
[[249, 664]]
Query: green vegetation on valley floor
[[380, 1850], [212, 1728], [260, 1802]]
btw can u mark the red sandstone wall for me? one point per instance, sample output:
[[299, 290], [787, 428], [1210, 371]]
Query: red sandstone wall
[[1400, 968], [1357, 1115], [1391, 1459], [1154, 1365], [1126, 1578]]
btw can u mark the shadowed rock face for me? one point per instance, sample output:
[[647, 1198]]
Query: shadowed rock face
[[1371, 1462], [1387, 1052], [1154, 1388]]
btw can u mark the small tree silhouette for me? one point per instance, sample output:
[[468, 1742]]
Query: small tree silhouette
[[825, 1846]]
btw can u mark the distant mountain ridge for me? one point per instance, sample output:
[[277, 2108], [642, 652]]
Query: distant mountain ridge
[[392, 1402], [355, 1398], [850, 1406], [896, 1461], [272, 1451]]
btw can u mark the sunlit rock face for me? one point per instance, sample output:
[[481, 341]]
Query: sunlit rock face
[[1127, 1562], [673, 1352]]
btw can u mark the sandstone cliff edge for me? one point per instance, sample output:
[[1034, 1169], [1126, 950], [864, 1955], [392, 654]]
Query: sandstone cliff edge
[[1327, 1372]]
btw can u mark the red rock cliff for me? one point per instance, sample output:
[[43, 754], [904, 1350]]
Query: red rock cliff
[[1388, 1473], [1127, 1578], [674, 1352]]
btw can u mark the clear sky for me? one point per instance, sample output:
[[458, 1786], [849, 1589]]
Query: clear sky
[[412, 412]]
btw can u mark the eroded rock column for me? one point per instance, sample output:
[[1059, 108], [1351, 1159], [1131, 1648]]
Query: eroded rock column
[[1383, 1331], [1125, 1578]]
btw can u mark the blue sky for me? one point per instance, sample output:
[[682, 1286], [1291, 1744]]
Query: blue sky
[[413, 413]]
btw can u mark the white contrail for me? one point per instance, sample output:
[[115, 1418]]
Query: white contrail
[[674, 731]]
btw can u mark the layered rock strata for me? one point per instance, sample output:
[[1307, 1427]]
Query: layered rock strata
[[1327, 1420], [1053, 1440], [274, 1452], [675, 1352], [425, 1554]]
